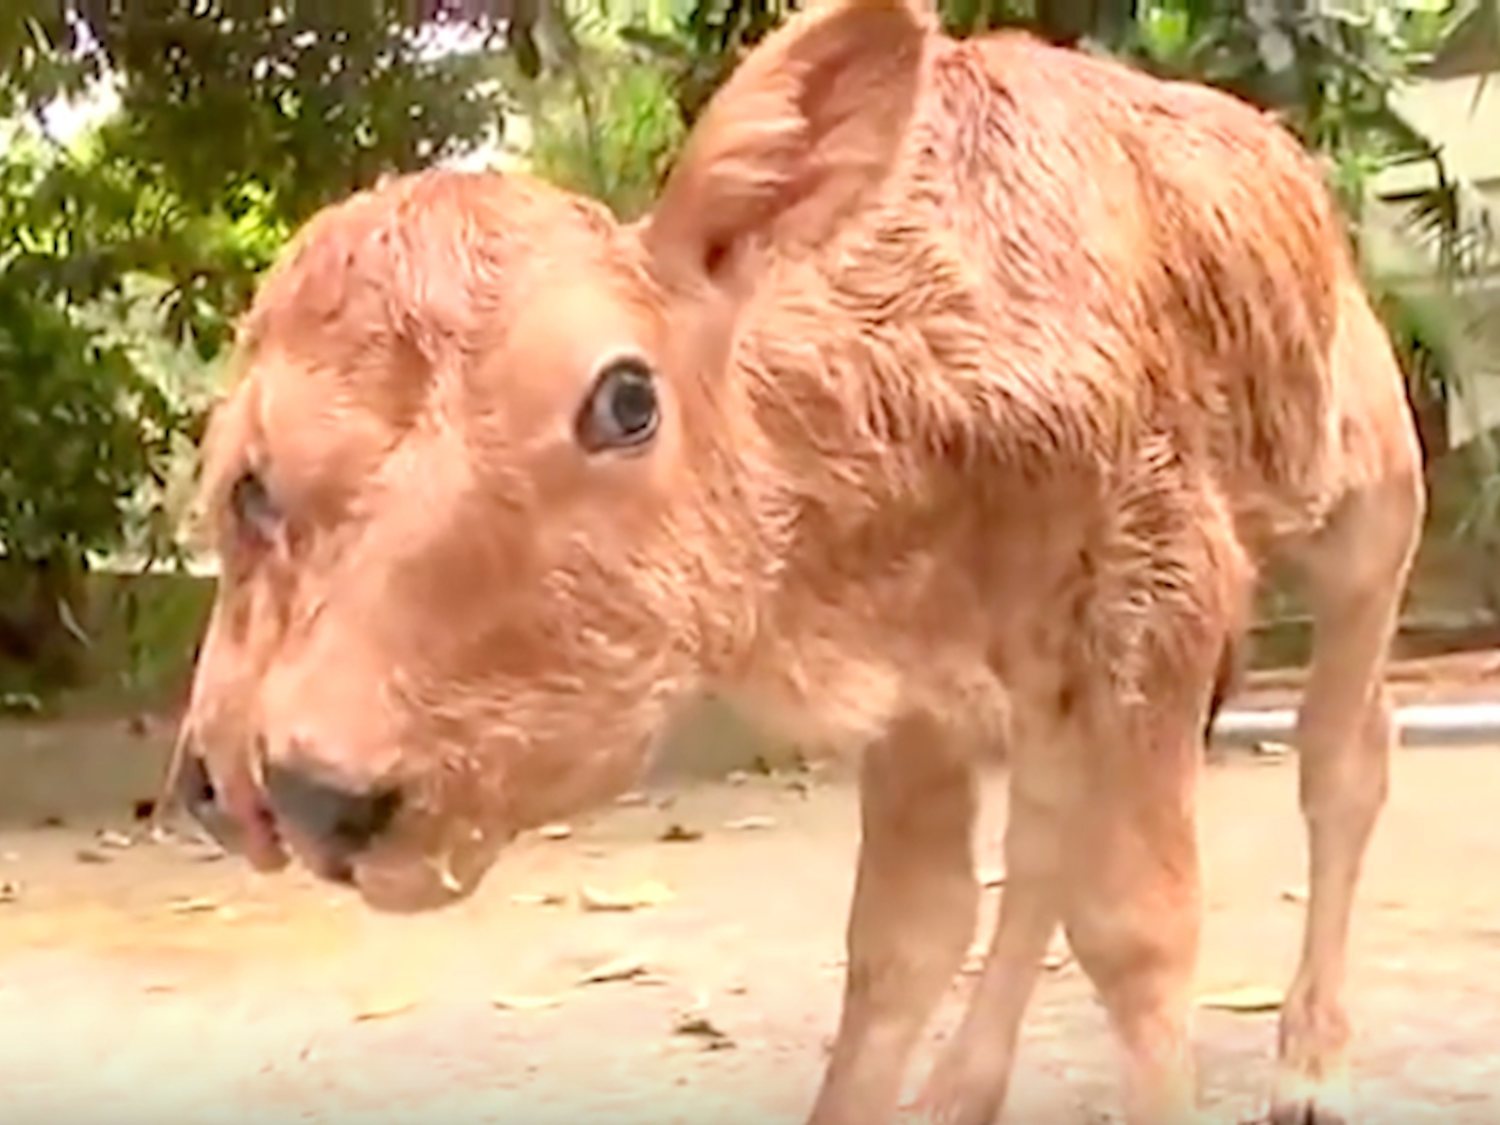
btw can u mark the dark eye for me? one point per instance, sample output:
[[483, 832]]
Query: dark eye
[[250, 501], [622, 411]]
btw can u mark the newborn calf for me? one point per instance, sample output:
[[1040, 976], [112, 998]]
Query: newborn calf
[[950, 400]]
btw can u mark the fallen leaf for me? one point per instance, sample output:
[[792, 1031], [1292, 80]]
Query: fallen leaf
[[649, 893], [1294, 894], [737, 990], [617, 969], [1249, 998], [10, 891], [525, 1003], [384, 1007], [555, 831], [699, 1026], [676, 833], [88, 855], [193, 906], [20, 702], [750, 823], [1057, 960], [532, 898]]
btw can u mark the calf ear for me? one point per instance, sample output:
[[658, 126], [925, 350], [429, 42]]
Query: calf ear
[[804, 129]]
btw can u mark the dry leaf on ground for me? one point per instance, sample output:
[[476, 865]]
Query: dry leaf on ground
[[10, 891], [675, 833], [534, 898], [1294, 894], [616, 969], [637, 897], [525, 1003], [384, 1007], [750, 823], [1057, 959], [974, 957], [699, 1026], [193, 906], [1249, 998]]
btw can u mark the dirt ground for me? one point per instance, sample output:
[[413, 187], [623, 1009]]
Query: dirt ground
[[157, 982]]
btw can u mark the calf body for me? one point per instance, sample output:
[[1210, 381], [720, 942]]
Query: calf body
[[949, 403]]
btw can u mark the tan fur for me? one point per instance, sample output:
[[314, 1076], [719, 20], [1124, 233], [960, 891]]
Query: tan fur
[[991, 375]]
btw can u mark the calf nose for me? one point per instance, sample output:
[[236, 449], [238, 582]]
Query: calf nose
[[341, 822]]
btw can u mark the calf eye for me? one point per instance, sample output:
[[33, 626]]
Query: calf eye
[[250, 501], [622, 410]]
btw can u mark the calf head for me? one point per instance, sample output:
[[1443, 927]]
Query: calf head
[[488, 495]]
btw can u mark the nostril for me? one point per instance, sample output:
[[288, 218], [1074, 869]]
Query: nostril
[[197, 794], [194, 788], [344, 820]]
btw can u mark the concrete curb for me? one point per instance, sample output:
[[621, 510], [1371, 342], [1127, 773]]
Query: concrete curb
[[1420, 724]]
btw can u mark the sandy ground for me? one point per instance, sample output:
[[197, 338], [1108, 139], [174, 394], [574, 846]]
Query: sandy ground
[[158, 983]]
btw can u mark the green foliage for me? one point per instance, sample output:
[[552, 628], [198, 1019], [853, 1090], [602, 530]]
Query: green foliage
[[311, 100], [697, 45], [127, 251], [80, 429], [1332, 71], [603, 117]]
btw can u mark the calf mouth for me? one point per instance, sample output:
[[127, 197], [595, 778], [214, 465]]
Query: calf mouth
[[393, 876]]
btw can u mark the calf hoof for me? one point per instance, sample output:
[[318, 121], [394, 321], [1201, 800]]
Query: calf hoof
[[959, 1093], [1306, 1112], [1301, 1102]]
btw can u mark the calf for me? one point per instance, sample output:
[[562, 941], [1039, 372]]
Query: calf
[[949, 401]]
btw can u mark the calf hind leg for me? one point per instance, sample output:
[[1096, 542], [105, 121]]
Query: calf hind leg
[[1354, 574]]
